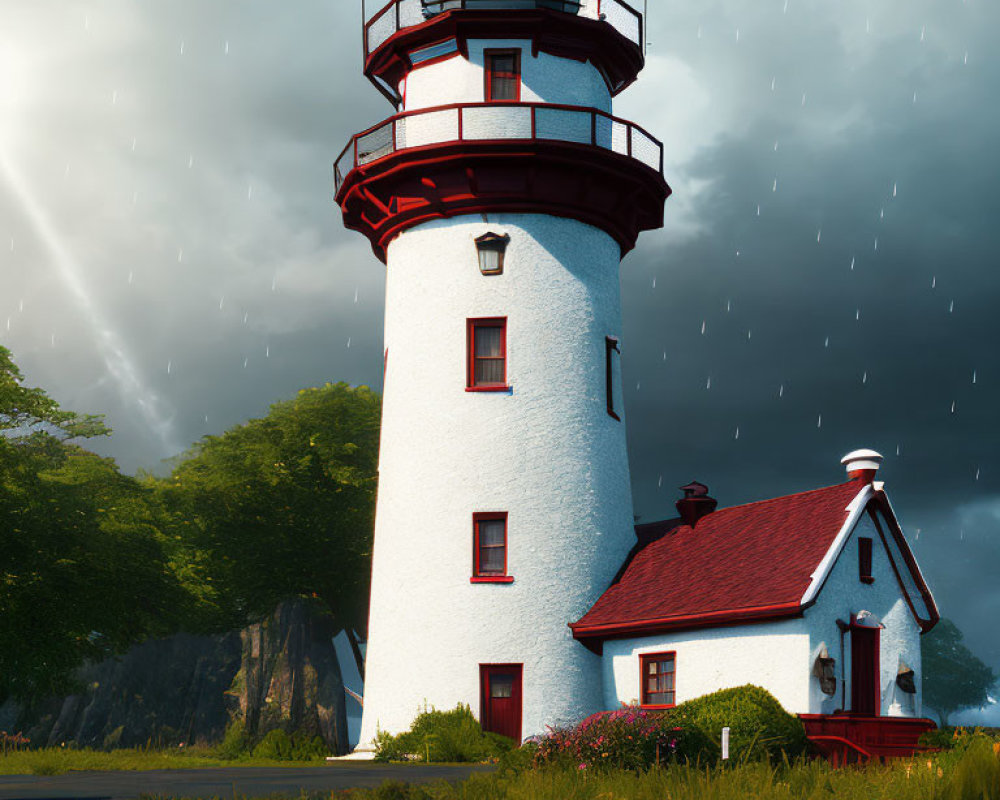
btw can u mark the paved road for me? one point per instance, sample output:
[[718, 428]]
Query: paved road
[[227, 782]]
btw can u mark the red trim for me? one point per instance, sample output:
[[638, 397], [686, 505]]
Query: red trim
[[612, 192], [610, 346], [567, 35], [882, 504], [470, 378], [644, 659], [490, 73], [489, 577], [734, 616]]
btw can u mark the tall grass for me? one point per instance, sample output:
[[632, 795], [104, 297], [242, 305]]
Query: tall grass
[[57, 760], [972, 774]]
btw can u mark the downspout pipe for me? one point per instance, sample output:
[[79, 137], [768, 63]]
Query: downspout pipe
[[844, 628]]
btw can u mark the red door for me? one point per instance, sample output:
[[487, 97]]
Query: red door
[[865, 690], [500, 699]]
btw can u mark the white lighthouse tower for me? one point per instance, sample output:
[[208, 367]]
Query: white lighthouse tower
[[501, 197]]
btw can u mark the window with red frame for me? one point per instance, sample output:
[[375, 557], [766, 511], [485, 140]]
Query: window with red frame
[[489, 560], [657, 676], [487, 369], [865, 560], [503, 75]]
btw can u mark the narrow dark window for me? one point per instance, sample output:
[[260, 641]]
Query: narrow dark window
[[491, 248], [865, 560], [610, 348], [489, 547], [658, 671], [487, 343], [503, 75]]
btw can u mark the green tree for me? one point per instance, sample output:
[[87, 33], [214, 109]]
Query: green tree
[[82, 570], [281, 507], [953, 678]]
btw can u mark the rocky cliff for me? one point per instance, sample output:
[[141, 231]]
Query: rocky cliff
[[280, 673]]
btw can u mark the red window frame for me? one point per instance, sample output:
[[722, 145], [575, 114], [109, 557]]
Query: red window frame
[[491, 72], [470, 379], [478, 576], [865, 559], [644, 660], [610, 346]]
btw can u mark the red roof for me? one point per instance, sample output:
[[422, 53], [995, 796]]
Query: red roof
[[742, 563]]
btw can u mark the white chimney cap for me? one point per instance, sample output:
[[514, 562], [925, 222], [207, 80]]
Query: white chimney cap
[[862, 460]]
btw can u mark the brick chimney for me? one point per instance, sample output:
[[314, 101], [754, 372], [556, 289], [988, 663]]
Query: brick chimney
[[862, 465], [695, 503]]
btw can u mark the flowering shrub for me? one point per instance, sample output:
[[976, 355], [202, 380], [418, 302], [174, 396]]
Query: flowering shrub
[[626, 739], [632, 738]]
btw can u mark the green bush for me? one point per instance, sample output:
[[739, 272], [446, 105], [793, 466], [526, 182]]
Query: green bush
[[442, 736], [759, 728], [306, 748], [275, 745], [235, 742]]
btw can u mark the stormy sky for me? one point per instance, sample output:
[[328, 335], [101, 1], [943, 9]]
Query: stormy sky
[[170, 254]]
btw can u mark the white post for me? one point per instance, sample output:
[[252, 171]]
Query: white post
[[725, 743]]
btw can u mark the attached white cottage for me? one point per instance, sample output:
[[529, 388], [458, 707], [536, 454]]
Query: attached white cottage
[[815, 597]]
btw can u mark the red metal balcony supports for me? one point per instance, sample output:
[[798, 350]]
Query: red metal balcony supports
[[513, 157]]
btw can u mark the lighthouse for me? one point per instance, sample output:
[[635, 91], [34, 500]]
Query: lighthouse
[[501, 196]]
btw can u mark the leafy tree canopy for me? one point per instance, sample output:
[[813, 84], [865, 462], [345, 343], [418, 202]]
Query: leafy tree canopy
[[953, 677], [82, 572], [281, 506]]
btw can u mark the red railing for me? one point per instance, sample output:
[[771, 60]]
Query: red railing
[[494, 122], [400, 14]]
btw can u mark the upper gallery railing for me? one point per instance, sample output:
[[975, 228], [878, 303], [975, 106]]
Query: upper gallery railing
[[478, 122], [399, 14]]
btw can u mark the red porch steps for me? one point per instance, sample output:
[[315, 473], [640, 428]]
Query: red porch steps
[[852, 739]]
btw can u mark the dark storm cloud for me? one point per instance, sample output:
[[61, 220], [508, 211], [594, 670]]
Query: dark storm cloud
[[183, 178]]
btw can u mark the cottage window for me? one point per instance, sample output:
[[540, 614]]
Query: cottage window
[[491, 248], [611, 349], [503, 75], [487, 345], [489, 548], [657, 675], [865, 560]]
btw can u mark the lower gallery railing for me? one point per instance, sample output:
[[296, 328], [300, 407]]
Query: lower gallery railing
[[478, 122]]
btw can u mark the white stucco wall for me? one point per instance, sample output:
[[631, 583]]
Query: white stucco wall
[[546, 452], [772, 655], [544, 79], [844, 594]]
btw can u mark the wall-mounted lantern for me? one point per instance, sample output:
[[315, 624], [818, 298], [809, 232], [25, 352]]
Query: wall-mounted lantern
[[491, 248], [824, 668]]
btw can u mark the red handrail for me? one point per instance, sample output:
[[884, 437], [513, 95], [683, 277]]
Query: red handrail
[[630, 129], [823, 740]]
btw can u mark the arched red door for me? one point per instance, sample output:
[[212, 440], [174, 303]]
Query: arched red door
[[500, 699]]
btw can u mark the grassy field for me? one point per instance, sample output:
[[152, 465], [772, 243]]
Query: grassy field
[[55, 760], [973, 773]]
